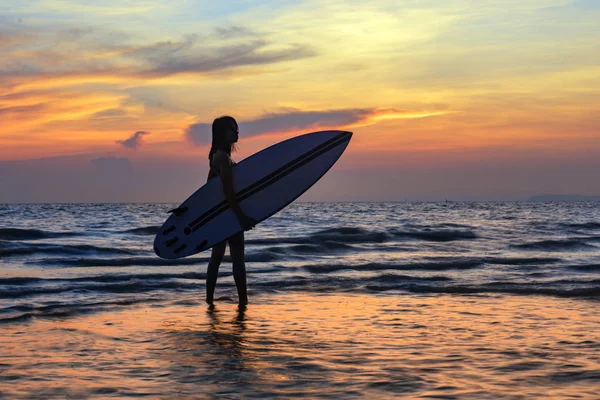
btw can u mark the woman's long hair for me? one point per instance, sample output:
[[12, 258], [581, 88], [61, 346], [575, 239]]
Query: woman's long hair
[[219, 136]]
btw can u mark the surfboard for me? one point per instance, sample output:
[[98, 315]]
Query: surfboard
[[264, 184]]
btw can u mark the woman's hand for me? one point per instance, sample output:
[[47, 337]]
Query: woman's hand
[[246, 222]]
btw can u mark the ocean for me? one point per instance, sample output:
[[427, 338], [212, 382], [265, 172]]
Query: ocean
[[347, 300]]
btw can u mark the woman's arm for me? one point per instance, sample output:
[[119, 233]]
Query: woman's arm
[[227, 178]]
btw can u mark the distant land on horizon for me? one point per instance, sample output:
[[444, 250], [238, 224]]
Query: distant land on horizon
[[563, 197]]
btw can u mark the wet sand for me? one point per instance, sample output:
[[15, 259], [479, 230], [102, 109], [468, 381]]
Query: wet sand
[[313, 346]]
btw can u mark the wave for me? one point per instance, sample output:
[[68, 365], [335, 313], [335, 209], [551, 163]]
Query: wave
[[439, 235], [26, 280], [570, 282], [21, 281], [338, 235], [348, 235], [555, 245], [375, 284], [147, 285], [378, 285], [515, 289], [589, 238], [585, 267], [394, 278], [423, 266], [20, 249], [260, 257], [21, 313], [434, 285], [584, 225], [312, 248], [274, 254], [145, 230], [329, 284], [118, 262], [449, 225], [126, 286], [521, 260], [19, 287], [31, 234]]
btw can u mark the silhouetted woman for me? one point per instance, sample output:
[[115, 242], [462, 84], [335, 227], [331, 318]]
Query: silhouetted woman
[[224, 136]]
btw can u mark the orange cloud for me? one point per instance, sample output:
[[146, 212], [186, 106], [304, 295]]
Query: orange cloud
[[50, 122]]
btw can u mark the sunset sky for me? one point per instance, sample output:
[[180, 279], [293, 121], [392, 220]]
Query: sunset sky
[[449, 99]]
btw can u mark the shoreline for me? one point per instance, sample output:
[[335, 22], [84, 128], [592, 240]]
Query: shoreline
[[316, 345]]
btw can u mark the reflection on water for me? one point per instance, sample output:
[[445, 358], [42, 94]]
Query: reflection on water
[[300, 345], [206, 354]]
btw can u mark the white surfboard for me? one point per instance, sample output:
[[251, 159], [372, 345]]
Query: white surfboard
[[264, 183]]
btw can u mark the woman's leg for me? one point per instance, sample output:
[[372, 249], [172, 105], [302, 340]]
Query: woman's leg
[[218, 251], [236, 249]]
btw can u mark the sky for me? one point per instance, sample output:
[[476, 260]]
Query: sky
[[112, 101]]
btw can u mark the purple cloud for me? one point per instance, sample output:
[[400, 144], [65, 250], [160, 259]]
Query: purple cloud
[[200, 133], [134, 141]]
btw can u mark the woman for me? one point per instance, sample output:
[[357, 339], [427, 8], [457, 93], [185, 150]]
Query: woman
[[224, 136]]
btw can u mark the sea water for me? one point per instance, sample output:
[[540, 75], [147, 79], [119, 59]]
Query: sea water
[[421, 299]]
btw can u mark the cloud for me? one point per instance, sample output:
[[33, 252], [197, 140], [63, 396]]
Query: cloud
[[134, 141], [25, 112], [228, 32], [21, 111], [91, 56], [169, 58], [110, 113], [109, 8], [295, 120]]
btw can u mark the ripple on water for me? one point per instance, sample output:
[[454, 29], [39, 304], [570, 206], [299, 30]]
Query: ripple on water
[[297, 345]]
